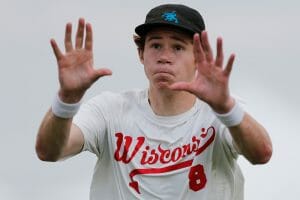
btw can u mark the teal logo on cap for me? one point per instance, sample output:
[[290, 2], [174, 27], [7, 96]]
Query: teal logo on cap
[[170, 17]]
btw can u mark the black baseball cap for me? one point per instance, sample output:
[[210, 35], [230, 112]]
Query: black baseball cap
[[174, 15]]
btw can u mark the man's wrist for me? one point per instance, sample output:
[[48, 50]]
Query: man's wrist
[[232, 118], [70, 97], [225, 107], [64, 110]]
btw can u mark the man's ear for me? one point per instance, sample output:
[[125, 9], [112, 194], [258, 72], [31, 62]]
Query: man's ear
[[140, 45], [141, 55]]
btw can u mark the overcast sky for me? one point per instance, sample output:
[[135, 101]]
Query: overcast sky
[[264, 34]]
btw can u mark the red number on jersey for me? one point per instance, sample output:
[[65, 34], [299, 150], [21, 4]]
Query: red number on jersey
[[197, 178]]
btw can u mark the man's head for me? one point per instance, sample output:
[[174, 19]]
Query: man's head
[[177, 16], [165, 44]]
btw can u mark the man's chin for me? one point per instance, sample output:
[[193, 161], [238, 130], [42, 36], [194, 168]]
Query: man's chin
[[163, 81], [163, 85]]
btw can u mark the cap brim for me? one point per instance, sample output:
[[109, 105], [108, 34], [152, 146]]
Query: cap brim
[[143, 29]]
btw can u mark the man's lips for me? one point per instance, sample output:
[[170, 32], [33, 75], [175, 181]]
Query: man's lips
[[164, 72]]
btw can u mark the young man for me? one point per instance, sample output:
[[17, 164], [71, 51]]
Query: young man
[[178, 139]]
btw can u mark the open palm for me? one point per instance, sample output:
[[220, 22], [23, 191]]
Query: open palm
[[76, 67], [211, 82]]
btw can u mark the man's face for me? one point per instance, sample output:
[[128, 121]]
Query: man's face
[[168, 57]]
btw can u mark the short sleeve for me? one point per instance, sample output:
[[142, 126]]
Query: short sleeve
[[91, 121], [229, 142], [225, 133]]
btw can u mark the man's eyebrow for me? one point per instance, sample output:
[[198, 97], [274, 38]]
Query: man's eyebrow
[[154, 38], [179, 39], [172, 37]]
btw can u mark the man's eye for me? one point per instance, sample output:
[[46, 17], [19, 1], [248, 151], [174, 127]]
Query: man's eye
[[178, 48], [156, 46]]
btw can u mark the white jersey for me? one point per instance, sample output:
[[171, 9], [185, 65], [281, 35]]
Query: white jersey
[[145, 156]]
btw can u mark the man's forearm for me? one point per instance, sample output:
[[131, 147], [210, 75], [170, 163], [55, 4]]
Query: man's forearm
[[52, 137], [252, 140]]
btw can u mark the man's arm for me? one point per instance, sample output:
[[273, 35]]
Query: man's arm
[[211, 85], [252, 140], [57, 136]]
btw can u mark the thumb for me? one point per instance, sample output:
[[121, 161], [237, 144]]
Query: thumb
[[101, 72], [182, 86]]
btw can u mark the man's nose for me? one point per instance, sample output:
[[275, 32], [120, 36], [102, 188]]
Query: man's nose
[[165, 55]]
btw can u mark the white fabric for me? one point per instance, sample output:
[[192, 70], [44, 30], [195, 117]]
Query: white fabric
[[187, 156], [64, 110], [233, 117]]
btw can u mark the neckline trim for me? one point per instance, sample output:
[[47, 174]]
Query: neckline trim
[[172, 119]]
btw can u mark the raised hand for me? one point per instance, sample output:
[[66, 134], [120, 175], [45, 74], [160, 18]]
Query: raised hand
[[211, 82], [75, 67]]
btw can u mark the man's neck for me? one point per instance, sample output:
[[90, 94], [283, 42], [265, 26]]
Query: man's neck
[[168, 103]]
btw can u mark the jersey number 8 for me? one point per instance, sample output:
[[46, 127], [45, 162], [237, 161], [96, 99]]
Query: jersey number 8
[[197, 178]]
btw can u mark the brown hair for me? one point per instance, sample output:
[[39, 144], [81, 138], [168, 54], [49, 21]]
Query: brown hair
[[139, 41]]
